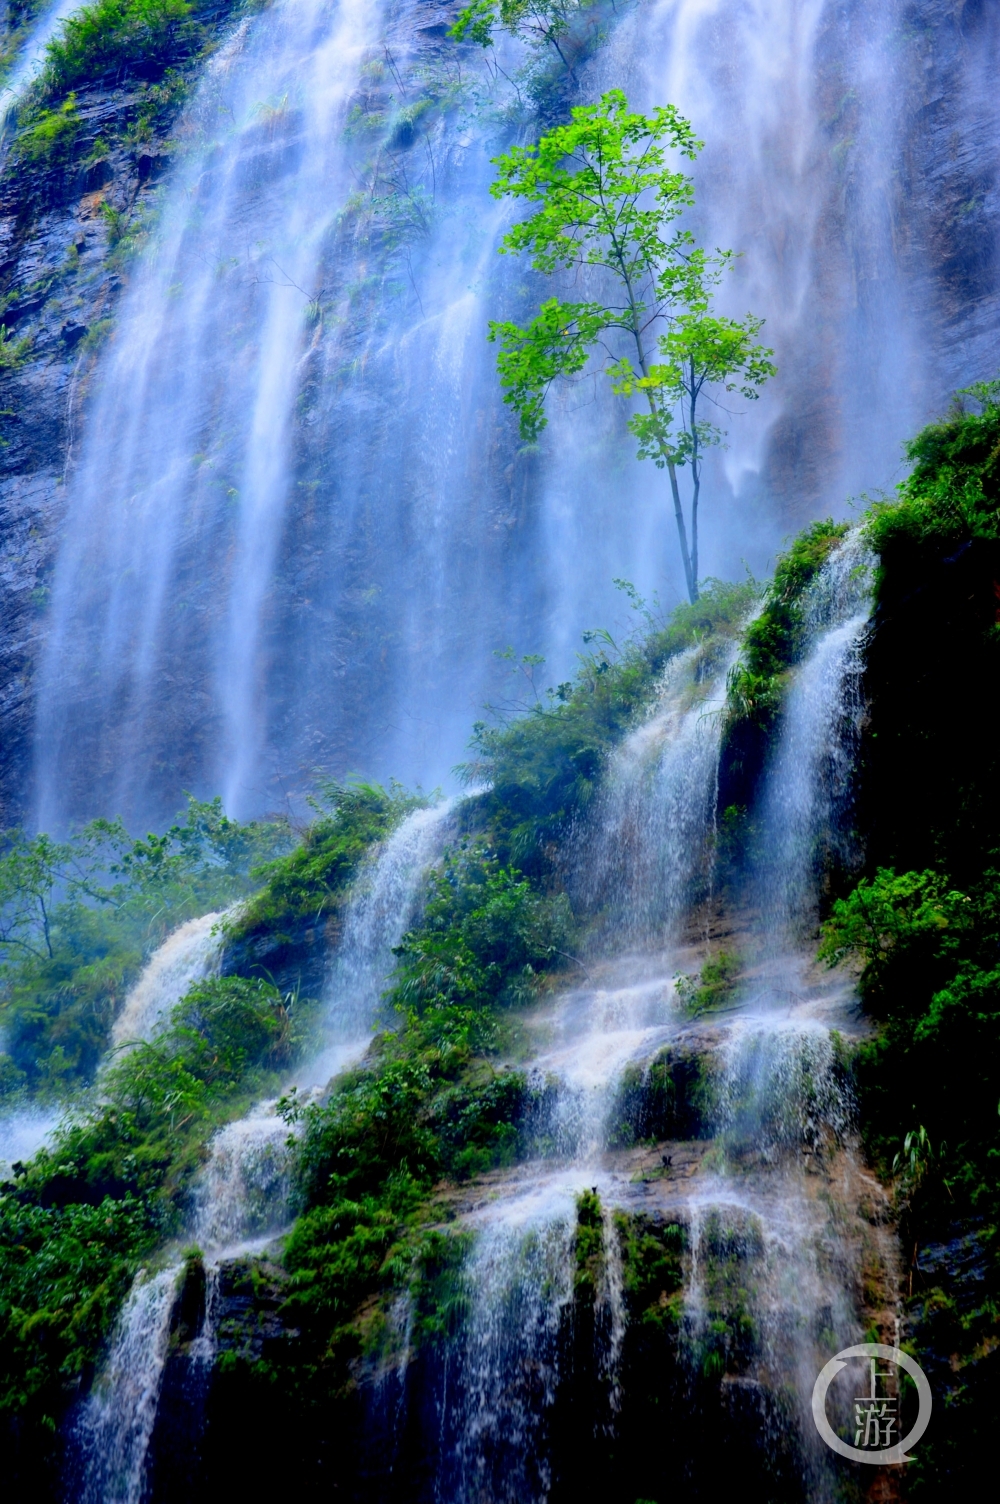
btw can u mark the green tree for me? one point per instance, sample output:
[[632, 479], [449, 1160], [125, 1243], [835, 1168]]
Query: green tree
[[540, 23], [608, 205]]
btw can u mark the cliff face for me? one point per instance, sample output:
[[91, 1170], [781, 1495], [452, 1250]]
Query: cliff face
[[70, 222], [61, 279], [903, 297]]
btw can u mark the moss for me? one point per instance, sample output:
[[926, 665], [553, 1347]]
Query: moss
[[652, 1268], [588, 1247], [775, 638], [730, 1251], [713, 987], [669, 1098], [50, 136]]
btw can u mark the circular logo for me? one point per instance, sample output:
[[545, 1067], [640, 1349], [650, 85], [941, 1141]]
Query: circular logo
[[876, 1416]]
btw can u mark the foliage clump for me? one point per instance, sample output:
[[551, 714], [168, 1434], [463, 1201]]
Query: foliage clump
[[543, 768], [309, 883], [775, 638], [79, 917], [109, 40], [79, 1220], [150, 46]]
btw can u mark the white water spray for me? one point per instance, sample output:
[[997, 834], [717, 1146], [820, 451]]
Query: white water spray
[[187, 956], [115, 1427], [808, 782], [242, 1196]]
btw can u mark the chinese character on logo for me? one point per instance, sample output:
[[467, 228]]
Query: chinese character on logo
[[875, 1415]]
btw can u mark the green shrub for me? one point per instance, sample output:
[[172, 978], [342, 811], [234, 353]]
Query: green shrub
[[484, 935], [79, 917], [110, 39], [951, 494], [13, 352], [775, 638], [115, 1184], [312, 881], [713, 987], [543, 768]]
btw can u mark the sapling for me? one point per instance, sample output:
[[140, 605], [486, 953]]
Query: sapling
[[608, 204]]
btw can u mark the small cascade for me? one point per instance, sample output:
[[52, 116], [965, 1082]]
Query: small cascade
[[191, 953], [780, 1089], [116, 1424], [808, 784], [241, 1201], [645, 848], [611, 1310], [382, 906], [242, 1194], [520, 1282]]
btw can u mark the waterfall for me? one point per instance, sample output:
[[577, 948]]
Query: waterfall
[[646, 845], [189, 432], [298, 521], [381, 910], [657, 812], [241, 1200], [773, 1265], [802, 105], [31, 57], [784, 1115], [808, 782], [187, 955], [520, 1282], [116, 1424]]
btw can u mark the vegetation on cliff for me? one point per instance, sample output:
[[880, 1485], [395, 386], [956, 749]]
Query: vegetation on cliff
[[79, 917], [924, 918], [150, 48], [439, 1098], [78, 1221]]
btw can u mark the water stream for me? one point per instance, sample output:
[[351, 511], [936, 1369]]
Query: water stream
[[31, 57], [190, 953], [241, 1200], [757, 1211], [298, 521]]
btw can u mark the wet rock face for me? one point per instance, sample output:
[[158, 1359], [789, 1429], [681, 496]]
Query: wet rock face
[[905, 150], [60, 283], [67, 231]]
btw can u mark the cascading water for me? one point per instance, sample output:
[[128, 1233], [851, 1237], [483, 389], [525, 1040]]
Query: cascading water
[[190, 430], [808, 784], [241, 1201], [521, 1282], [298, 521], [31, 56], [185, 957], [760, 1225], [381, 908], [520, 1275], [114, 1429], [646, 845]]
